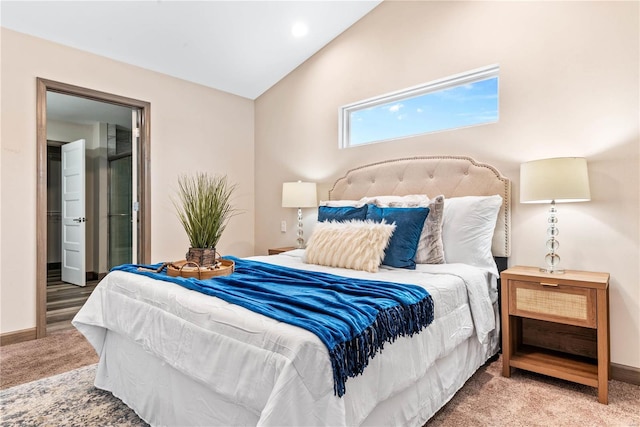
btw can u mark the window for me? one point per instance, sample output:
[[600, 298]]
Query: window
[[463, 100]]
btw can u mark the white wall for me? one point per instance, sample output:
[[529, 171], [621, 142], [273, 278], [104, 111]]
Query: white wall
[[193, 128], [569, 86]]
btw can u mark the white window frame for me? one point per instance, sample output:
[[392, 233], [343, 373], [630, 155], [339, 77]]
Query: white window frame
[[345, 111]]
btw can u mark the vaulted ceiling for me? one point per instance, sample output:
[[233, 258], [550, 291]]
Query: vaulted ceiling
[[241, 47]]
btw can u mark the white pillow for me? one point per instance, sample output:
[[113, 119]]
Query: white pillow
[[410, 201], [358, 245], [413, 200], [467, 230], [341, 203]]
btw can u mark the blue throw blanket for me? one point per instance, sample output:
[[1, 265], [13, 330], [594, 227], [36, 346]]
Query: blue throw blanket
[[352, 317]]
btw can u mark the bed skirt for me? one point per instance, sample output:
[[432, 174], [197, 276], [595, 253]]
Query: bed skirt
[[161, 395]]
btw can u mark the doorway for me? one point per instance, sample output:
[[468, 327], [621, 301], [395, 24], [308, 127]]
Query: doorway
[[124, 163], [119, 208]]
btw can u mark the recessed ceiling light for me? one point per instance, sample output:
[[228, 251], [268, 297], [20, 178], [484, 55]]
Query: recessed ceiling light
[[299, 29]]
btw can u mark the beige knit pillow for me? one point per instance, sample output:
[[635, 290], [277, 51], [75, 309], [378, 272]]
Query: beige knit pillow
[[358, 245]]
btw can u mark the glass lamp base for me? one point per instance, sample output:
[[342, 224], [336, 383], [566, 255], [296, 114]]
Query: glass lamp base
[[552, 270], [300, 232]]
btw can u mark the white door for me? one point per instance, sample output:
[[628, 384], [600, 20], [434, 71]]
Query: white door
[[73, 213]]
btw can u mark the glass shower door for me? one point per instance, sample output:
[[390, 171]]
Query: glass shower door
[[120, 206]]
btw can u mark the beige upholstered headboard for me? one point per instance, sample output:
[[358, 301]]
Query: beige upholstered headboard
[[452, 176]]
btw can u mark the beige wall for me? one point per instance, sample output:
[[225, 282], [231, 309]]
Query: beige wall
[[569, 86], [193, 128]]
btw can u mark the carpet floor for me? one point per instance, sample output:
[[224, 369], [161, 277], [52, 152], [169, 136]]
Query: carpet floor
[[530, 399], [488, 399], [59, 352]]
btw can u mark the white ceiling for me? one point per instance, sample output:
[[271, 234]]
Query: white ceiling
[[241, 47]]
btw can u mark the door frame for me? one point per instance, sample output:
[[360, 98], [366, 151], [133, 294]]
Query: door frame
[[143, 175]]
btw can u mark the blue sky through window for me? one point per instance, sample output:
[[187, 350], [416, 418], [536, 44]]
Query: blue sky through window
[[455, 107]]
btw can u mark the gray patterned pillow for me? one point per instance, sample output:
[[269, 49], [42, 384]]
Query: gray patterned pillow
[[430, 246]]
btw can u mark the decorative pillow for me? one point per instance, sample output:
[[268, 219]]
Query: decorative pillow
[[358, 245], [467, 230], [404, 242], [343, 213], [430, 247]]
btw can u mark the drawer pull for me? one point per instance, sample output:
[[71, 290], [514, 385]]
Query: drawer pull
[[549, 284]]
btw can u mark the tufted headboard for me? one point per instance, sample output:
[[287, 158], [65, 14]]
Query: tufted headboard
[[452, 176]]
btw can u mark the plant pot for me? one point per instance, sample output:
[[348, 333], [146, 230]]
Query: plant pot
[[205, 257]]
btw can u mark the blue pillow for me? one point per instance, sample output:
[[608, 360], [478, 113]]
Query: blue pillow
[[341, 213], [404, 241]]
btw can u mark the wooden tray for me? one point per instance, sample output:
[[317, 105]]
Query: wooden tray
[[189, 269]]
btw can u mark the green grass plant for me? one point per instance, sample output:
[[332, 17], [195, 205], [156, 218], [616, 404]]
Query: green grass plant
[[204, 207]]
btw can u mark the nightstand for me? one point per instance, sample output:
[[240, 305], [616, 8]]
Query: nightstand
[[276, 251], [557, 325]]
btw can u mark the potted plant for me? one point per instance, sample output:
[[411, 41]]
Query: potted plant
[[204, 208]]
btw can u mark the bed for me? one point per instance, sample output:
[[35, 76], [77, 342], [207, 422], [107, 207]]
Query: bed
[[178, 357]]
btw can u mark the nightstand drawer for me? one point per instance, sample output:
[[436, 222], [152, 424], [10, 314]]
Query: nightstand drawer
[[553, 302]]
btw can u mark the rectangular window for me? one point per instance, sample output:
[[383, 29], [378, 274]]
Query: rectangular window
[[463, 100]]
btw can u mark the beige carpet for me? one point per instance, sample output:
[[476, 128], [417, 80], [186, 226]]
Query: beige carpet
[[529, 399], [59, 352]]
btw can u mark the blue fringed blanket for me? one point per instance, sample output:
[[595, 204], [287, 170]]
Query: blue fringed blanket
[[352, 317]]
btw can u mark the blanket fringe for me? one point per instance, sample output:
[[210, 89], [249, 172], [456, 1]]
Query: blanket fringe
[[350, 358]]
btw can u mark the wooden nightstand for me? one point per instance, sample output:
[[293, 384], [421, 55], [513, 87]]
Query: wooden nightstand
[[276, 251], [557, 325]]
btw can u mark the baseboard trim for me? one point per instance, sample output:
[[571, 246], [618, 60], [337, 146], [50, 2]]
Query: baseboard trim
[[17, 336], [627, 374]]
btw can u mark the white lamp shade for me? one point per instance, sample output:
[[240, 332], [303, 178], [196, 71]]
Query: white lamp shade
[[299, 195], [563, 179]]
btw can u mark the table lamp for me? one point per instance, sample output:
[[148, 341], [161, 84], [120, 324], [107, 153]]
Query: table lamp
[[557, 180], [299, 195]]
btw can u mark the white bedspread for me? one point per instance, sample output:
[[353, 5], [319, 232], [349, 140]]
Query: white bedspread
[[281, 374]]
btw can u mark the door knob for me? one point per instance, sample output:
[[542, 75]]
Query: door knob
[[81, 219]]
